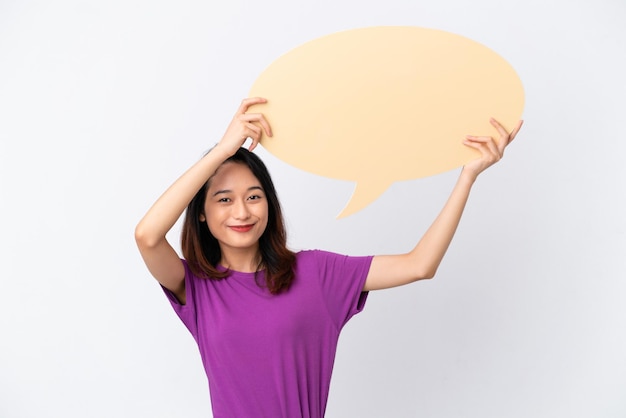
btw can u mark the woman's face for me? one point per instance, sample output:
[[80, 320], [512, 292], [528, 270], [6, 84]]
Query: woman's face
[[235, 209]]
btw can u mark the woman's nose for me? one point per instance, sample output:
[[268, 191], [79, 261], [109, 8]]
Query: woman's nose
[[240, 210]]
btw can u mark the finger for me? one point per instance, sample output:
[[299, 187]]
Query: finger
[[254, 133], [253, 145], [485, 144], [254, 142], [476, 145], [246, 103], [504, 135], [266, 125], [258, 117], [515, 130], [498, 127], [480, 139], [494, 148]]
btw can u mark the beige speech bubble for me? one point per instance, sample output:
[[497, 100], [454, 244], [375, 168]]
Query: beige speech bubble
[[384, 104]]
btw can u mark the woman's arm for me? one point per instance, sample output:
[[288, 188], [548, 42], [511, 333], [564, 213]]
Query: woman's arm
[[422, 262], [160, 258]]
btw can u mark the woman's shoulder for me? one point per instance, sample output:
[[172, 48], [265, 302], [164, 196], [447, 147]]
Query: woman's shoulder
[[314, 253], [329, 258], [318, 256]]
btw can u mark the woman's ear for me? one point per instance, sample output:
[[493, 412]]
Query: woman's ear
[[202, 217]]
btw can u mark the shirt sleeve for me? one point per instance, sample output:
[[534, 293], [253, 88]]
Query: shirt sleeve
[[342, 279], [186, 312]]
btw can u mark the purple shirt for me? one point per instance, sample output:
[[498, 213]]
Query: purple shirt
[[272, 355]]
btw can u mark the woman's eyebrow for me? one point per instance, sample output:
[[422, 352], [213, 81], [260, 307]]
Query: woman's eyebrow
[[226, 191], [221, 192]]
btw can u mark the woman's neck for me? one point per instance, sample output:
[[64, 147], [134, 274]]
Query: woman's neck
[[244, 261]]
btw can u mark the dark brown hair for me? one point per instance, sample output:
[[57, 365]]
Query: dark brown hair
[[202, 250]]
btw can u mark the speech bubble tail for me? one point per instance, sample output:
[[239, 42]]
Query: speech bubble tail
[[364, 194]]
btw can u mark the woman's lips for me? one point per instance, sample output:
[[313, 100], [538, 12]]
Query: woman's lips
[[241, 228]]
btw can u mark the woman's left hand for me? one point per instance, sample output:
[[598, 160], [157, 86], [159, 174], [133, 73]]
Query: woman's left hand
[[491, 150]]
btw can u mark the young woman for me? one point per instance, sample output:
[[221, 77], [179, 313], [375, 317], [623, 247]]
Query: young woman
[[267, 320]]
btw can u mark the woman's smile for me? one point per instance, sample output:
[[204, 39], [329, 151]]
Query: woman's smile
[[241, 228]]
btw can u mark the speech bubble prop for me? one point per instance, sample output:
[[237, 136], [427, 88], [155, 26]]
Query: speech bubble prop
[[384, 104]]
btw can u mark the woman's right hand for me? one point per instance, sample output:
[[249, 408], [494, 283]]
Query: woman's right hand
[[245, 125], [151, 232]]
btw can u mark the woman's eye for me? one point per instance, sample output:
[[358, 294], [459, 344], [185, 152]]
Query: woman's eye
[[224, 200], [254, 197]]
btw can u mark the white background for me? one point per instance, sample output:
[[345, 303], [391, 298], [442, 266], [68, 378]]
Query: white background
[[104, 103]]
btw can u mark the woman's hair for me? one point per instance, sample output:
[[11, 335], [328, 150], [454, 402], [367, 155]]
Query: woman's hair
[[202, 250]]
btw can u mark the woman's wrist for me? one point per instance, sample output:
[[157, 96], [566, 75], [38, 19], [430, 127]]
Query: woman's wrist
[[220, 152], [468, 177]]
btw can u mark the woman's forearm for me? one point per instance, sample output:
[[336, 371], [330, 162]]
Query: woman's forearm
[[164, 213], [432, 247]]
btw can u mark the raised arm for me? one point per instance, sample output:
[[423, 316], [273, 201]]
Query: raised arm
[[160, 258], [423, 261]]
